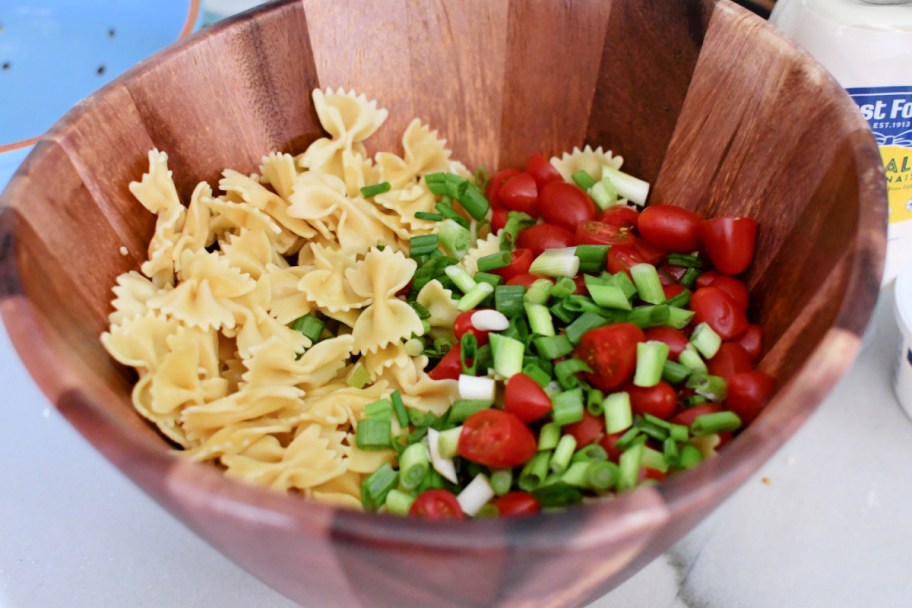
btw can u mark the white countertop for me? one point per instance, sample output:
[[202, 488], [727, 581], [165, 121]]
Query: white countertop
[[827, 528]]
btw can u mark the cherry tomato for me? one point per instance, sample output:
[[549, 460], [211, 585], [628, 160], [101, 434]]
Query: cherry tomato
[[594, 232], [674, 338], [686, 417], [647, 473], [516, 503], [669, 227], [609, 442], [526, 399], [493, 188], [520, 261], [730, 359], [729, 242], [519, 193], [539, 237], [497, 439], [463, 325], [747, 393], [581, 289], [588, 430], [498, 219], [730, 285], [610, 351], [659, 400], [671, 289], [565, 204], [525, 279], [542, 170], [751, 339], [719, 310], [436, 505], [621, 216], [449, 367], [623, 257]]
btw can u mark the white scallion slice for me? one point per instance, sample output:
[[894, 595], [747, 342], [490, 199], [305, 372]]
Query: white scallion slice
[[445, 466], [490, 320], [475, 495], [477, 388]]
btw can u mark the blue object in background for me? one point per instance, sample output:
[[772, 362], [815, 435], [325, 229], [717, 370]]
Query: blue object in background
[[53, 53]]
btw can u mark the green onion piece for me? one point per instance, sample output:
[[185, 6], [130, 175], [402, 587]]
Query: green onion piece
[[671, 452], [582, 324], [491, 279], [690, 278], [310, 325], [602, 476], [631, 437], [448, 442], [468, 345], [622, 280], [560, 459], [475, 296], [424, 215], [423, 313], [651, 429], [627, 186], [629, 472], [460, 278], [377, 485], [651, 357], [399, 408], [689, 457], [675, 373], [516, 221], [592, 257], [481, 177], [374, 434], [484, 360], [548, 436], [534, 472], [553, 347], [539, 292], [494, 261], [690, 358], [567, 407], [381, 409], [398, 502], [508, 355], [649, 316], [540, 319], [576, 474], [591, 452], [683, 260], [518, 329], [359, 376], [456, 239], [566, 371], [565, 286], [693, 401], [647, 282], [369, 191], [679, 300], [446, 210], [594, 399], [540, 376], [463, 408], [653, 459], [706, 340], [560, 311], [501, 480], [602, 279], [423, 244], [555, 495], [474, 202], [618, 412], [717, 422], [679, 318], [508, 299], [439, 184], [678, 432], [712, 387], [414, 464], [609, 296], [431, 269], [575, 303], [583, 179], [556, 263], [603, 193]]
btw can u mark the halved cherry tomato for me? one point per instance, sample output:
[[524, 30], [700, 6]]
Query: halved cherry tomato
[[671, 289], [655, 475], [599, 233], [730, 285], [449, 367], [588, 430], [751, 339], [516, 503], [539, 237], [463, 325], [623, 257], [729, 242], [730, 359], [525, 398], [669, 227], [747, 393], [621, 216], [609, 442], [719, 310], [493, 188], [565, 204], [542, 170], [520, 193], [659, 400], [497, 439], [436, 505], [499, 219], [521, 259], [674, 338], [525, 279], [610, 352]]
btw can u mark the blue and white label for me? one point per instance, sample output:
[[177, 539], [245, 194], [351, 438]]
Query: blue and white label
[[889, 112]]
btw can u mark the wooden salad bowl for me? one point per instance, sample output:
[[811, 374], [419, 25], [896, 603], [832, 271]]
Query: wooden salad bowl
[[702, 98]]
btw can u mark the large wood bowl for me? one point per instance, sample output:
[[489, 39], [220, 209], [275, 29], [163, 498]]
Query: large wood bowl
[[702, 98]]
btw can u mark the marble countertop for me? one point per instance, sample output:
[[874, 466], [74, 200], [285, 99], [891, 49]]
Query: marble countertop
[[823, 523]]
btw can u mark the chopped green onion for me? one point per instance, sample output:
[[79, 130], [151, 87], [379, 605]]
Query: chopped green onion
[[647, 282], [474, 202], [446, 210], [651, 357], [560, 311], [592, 475], [690, 278], [651, 429], [670, 450], [679, 300], [508, 299], [369, 191], [460, 278], [398, 502], [706, 340], [516, 221], [455, 238], [548, 436], [583, 179], [689, 456], [594, 400], [592, 257], [560, 459], [475, 296], [674, 372], [649, 316], [399, 408], [374, 434], [424, 215], [445, 466], [534, 472], [463, 408], [622, 280], [566, 372], [631, 437], [582, 324], [487, 277], [705, 385], [494, 261], [381, 409], [518, 329], [556, 263], [690, 358], [475, 495], [679, 318], [591, 452], [423, 244], [609, 296], [565, 286], [448, 442], [501, 480], [653, 459], [423, 313], [477, 388], [310, 325], [414, 464], [359, 376], [693, 401], [618, 412], [540, 319], [540, 376], [555, 495], [508, 355], [567, 407], [683, 260], [553, 347], [603, 193], [627, 186], [539, 292], [678, 432], [468, 345], [481, 177], [577, 303], [445, 184], [377, 485], [433, 268], [629, 469]]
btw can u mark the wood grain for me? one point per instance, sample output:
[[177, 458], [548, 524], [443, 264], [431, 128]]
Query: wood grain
[[701, 97]]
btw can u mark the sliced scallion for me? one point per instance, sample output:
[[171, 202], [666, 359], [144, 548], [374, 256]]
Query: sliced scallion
[[553, 347], [534, 472], [556, 263], [567, 407], [398, 502], [716, 422], [705, 340], [494, 261], [455, 238], [582, 179], [560, 459], [592, 257], [508, 299], [539, 292], [377, 485], [582, 324], [603, 193], [540, 321], [369, 191], [563, 287], [463, 408], [423, 244], [647, 282], [629, 467], [501, 480], [374, 434], [609, 296], [627, 186], [651, 357], [508, 355], [477, 388], [414, 464], [474, 296], [548, 436], [566, 371], [540, 376], [310, 325], [618, 412]]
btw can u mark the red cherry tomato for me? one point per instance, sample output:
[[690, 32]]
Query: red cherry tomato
[[729, 242], [686, 417], [623, 257], [520, 193], [610, 352], [516, 503], [521, 259], [599, 233], [747, 393], [565, 204], [751, 339], [671, 289], [526, 399], [449, 367], [436, 505], [499, 219], [588, 430], [730, 359], [659, 400], [669, 227], [719, 310], [542, 170], [497, 439], [463, 325], [621, 216], [539, 237], [581, 289], [525, 279], [674, 338], [730, 285], [493, 188], [609, 442], [647, 473]]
